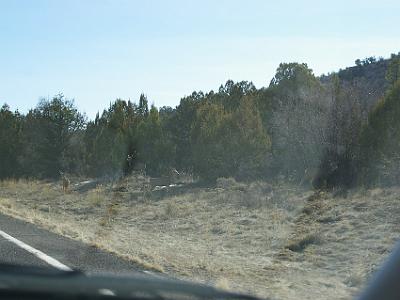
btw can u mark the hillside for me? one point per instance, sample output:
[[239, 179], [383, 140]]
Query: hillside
[[276, 241], [367, 77]]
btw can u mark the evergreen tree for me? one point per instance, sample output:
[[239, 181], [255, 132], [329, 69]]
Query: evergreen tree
[[10, 142], [143, 108], [47, 132], [393, 72]]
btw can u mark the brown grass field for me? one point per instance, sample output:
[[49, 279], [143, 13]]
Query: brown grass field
[[275, 241]]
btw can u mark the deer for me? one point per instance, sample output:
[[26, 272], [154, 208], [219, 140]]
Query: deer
[[65, 182]]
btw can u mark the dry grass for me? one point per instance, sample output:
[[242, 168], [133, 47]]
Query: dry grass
[[275, 241]]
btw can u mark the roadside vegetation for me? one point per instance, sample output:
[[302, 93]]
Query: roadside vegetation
[[306, 130], [288, 191], [277, 241]]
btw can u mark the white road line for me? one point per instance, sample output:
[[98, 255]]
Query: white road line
[[39, 254]]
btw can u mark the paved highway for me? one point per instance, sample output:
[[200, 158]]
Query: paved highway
[[25, 244]]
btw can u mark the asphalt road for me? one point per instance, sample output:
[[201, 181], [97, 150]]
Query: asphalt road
[[21, 242]]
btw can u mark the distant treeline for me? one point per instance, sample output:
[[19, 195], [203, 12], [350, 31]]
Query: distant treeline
[[341, 129]]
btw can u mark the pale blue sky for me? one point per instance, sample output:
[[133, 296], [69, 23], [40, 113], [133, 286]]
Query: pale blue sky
[[97, 51]]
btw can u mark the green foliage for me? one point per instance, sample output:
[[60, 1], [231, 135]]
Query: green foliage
[[293, 75], [229, 143], [180, 128], [154, 149], [126, 135], [298, 124], [110, 138], [380, 142], [393, 72], [231, 94], [143, 108], [47, 132], [10, 142]]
